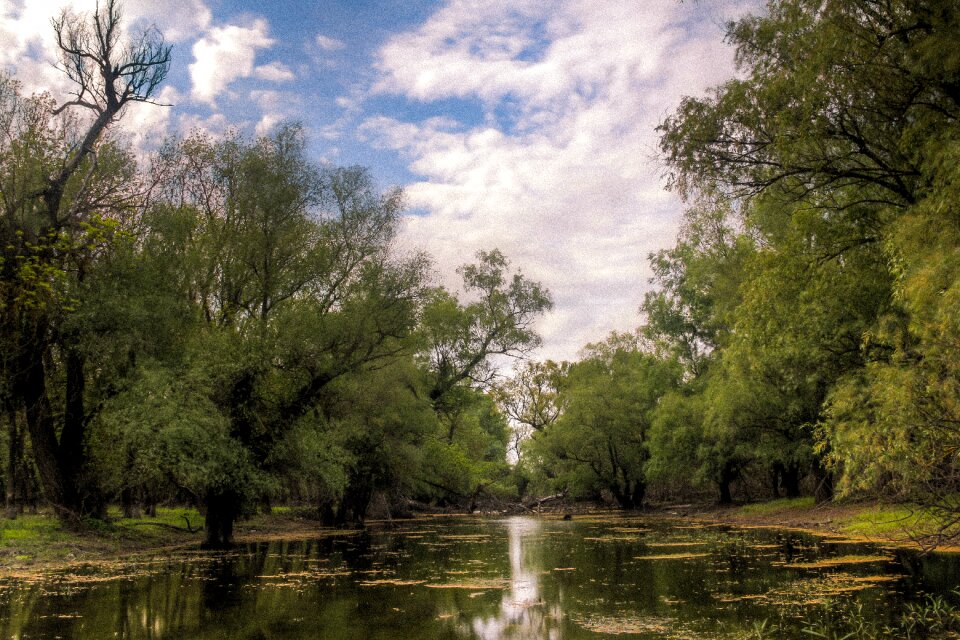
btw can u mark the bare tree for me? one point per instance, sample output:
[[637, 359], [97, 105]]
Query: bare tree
[[107, 74]]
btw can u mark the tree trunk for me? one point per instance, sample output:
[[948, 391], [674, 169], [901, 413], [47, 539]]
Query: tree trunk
[[823, 489], [60, 464], [776, 470], [790, 477], [223, 508], [728, 474], [32, 388], [128, 503], [638, 493], [14, 455]]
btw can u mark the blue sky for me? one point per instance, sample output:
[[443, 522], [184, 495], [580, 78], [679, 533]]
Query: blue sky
[[525, 125]]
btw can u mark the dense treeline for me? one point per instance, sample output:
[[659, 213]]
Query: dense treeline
[[806, 322], [227, 324], [232, 325]]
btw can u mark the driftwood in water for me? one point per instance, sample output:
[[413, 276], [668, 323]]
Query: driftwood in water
[[539, 502]]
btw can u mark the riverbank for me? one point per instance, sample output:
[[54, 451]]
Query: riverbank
[[39, 541], [897, 525]]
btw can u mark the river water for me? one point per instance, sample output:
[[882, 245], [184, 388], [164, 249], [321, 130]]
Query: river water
[[599, 576]]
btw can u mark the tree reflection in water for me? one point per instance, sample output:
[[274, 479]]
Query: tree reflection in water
[[523, 612]]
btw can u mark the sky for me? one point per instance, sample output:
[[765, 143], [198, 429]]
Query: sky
[[523, 125]]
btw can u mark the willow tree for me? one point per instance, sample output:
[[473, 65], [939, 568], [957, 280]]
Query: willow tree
[[291, 277], [838, 138]]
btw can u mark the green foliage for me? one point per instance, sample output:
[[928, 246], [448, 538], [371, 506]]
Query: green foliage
[[600, 444], [165, 429], [834, 155]]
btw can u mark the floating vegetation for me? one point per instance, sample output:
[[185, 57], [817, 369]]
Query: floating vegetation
[[613, 538], [845, 540], [619, 625], [838, 561], [816, 591], [390, 582], [677, 544], [672, 556], [479, 584]]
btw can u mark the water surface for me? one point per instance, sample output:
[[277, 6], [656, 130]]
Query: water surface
[[480, 578]]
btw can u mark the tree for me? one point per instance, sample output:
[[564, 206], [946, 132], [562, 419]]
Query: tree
[[690, 318], [462, 340], [837, 97], [832, 136], [531, 398], [600, 442], [293, 282], [460, 345], [64, 194]]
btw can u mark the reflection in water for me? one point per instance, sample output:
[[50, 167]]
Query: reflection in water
[[631, 577], [523, 613]]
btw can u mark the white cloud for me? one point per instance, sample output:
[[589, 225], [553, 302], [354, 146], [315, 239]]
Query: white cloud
[[147, 125], [561, 175], [28, 38], [275, 107], [225, 54], [326, 43], [273, 72], [178, 21]]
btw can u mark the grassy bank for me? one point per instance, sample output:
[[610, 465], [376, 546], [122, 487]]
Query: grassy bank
[[41, 539], [890, 524]]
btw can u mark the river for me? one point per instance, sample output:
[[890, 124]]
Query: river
[[601, 576]]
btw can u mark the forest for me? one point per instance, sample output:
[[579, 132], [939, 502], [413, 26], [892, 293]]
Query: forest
[[232, 325]]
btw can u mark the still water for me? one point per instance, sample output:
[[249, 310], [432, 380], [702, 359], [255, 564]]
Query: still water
[[479, 578]]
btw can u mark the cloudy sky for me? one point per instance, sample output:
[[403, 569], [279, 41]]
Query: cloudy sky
[[525, 125]]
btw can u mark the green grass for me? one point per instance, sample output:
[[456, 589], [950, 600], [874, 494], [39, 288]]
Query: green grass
[[774, 506], [42, 537], [176, 516], [886, 520], [32, 537], [30, 529]]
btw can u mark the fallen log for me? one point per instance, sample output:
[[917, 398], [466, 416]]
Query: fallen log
[[539, 502]]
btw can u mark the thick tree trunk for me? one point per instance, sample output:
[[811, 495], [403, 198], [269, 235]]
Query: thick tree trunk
[[349, 510], [724, 488], [631, 496], [223, 508], [32, 389], [775, 472], [638, 494], [727, 475], [790, 477], [128, 503], [80, 496]]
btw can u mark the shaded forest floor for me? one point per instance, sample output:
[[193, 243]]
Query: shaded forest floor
[[35, 542]]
